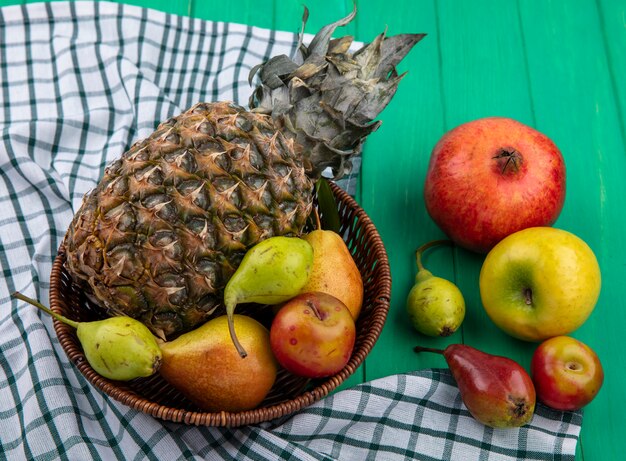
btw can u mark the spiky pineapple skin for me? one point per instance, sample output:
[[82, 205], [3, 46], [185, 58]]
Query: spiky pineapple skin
[[169, 222]]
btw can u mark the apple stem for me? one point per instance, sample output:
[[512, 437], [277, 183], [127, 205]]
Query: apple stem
[[419, 349], [528, 296], [574, 366], [315, 310], [426, 246]]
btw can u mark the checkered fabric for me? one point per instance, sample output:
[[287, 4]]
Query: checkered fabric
[[79, 82]]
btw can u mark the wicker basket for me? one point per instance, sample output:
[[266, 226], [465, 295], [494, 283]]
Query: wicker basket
[[290, 393]]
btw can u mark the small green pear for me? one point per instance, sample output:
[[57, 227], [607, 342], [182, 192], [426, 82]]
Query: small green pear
[[435, 305], [119, 348], [271, 272]]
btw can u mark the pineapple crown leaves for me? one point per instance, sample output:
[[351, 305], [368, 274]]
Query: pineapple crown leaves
[[326, 97]]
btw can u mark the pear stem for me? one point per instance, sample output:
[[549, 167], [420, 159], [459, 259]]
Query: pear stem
[[36, 303], [318, 223], [426, 246], [419, 349], [230, 301], [233, 336]]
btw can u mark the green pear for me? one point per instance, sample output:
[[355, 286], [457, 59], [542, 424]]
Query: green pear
[[205, 367], [435, 305], [334, 271], [119, 348], [271, 272]]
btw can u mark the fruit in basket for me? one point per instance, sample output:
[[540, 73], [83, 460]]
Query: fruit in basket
[[271, 272], [540, 282], [491, 177], [496, 390], [334, 270], [313, 335], [435, 305], [205, 367], [169, 222], [567, 373], [118, 348]]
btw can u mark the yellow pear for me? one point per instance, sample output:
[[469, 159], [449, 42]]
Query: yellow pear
[[334, 271], [205, 367]]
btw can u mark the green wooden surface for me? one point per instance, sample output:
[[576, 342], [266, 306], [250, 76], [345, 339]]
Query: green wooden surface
[[559, 66]]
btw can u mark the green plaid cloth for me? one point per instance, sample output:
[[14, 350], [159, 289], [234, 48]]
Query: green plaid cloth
[[79, 82]]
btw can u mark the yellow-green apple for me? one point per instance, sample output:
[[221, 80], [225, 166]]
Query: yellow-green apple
[[540, 282], [313, 335], [491, 177], [566, 372]]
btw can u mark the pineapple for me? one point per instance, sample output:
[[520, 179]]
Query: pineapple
[[169, 222]]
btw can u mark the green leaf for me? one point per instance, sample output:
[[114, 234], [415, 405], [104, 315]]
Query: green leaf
[[329, 214]]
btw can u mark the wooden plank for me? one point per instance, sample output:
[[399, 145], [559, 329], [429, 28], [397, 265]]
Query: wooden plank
[[278, 14], [483, 74], [487, 78], [257, 12], [321, 12], [394, 161], [613, 26], [575, 104]]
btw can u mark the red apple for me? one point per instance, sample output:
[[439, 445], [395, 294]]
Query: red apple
[[313, 335], [566, 372], [491, 177]]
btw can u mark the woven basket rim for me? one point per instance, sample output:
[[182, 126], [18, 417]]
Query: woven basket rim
[[122, 393]]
